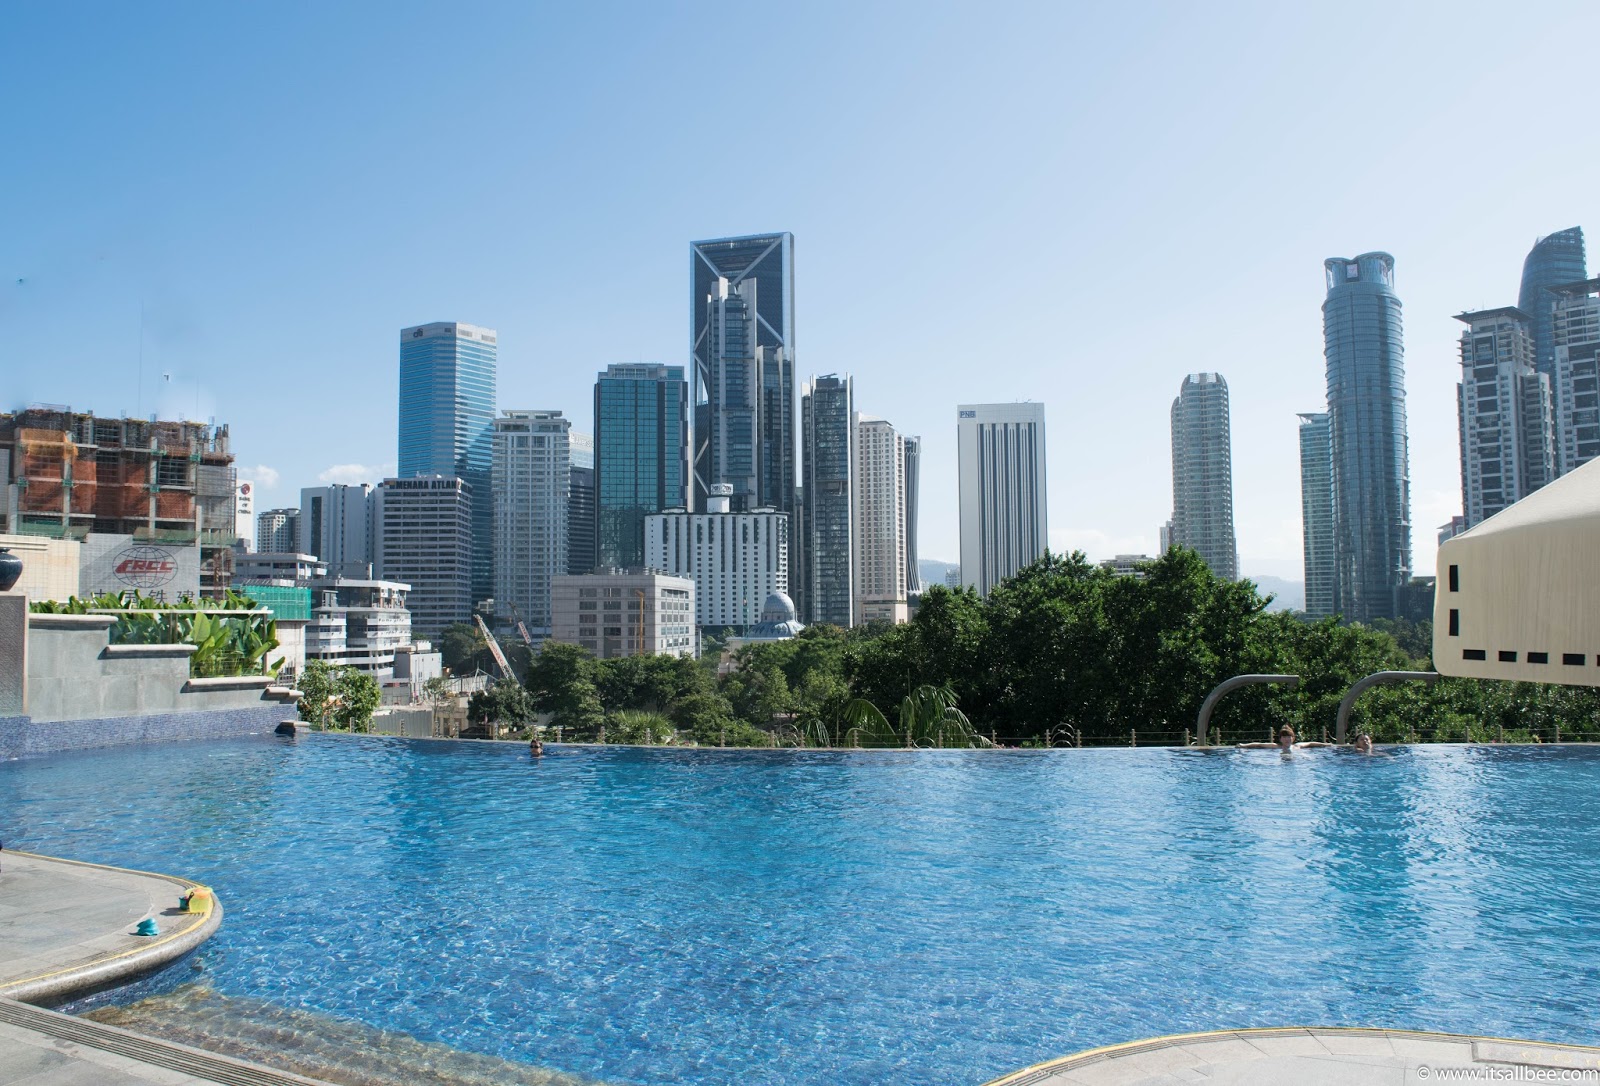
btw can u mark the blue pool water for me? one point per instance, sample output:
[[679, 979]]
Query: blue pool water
[[657, 916]]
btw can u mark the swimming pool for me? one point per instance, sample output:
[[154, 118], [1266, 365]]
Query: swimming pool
[[816, 918]]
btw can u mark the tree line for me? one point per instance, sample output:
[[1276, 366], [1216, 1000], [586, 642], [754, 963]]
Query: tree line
[[1063, 653]]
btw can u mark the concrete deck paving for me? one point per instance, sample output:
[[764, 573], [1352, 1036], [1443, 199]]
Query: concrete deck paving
[[67, 929], [1314, 1057]]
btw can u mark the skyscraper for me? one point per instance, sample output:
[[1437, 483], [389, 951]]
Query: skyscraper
[[912, 483], [1555, 260], [1202, 473], [278, 530], [336, 525], [641, 423], [1504, 412], [741, 297], [1365, 353], [447, 397], [1000, 465], [580, 504], [828, 435], [531, 475], [882, 589], [1576, 327], [424, 539], [1316, 508]]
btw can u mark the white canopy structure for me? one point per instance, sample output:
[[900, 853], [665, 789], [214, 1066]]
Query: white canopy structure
[[1518, 595]]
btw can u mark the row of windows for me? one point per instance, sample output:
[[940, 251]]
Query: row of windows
[[1509, 656]]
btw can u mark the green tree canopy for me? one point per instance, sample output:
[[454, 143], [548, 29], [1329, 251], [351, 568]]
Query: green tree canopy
[[358, 695], [505, 702]]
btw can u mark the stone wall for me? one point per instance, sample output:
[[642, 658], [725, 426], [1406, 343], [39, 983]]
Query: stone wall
[[81, 691], [75, 674], [49, 566]]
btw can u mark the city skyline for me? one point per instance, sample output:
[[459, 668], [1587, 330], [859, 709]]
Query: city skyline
[[215, 239]]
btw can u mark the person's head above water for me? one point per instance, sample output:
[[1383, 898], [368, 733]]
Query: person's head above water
[[1363, 743], [1286, 736]]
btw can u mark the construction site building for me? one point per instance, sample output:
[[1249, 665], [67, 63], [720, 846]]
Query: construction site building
[[68, 473]]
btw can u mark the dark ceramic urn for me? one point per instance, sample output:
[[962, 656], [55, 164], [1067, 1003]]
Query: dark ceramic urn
[[10, 569]]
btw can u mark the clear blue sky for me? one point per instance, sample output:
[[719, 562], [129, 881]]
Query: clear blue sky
[[1072, 203]]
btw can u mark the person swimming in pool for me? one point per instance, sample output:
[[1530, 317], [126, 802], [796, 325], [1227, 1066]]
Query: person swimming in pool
[[1362, 744], [1285, 742], [536, 747]]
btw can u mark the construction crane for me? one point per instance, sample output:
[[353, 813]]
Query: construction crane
[[521, 627], [494, 649]]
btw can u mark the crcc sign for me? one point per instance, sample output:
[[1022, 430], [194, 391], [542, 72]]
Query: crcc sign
[[117, 563]]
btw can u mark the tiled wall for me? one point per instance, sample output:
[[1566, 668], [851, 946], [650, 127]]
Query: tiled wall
[[20, 736], [13, 654]]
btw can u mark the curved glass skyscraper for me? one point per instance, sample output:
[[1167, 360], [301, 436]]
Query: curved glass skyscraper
[[1554, 261], [1367, 428]]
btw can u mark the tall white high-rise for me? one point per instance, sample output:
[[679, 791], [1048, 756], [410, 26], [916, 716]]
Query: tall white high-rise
[[336, 526], [531, 475], [736, 560], [883, 504], [1576, 317], [1202, 473], [1000, 466], [278, 530], [1505, 413]]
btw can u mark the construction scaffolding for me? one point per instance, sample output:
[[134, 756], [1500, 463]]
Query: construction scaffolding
[[168, 482]]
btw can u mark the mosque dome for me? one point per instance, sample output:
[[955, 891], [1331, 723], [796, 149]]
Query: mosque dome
[[778, 620]]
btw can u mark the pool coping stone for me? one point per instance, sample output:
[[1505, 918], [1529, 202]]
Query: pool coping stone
[[81, 960], [1290, 1053]]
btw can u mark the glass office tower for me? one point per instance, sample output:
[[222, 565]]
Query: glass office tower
[[827, 410], [741, 298], [1365, 354], [641, 430], [1316, 510], [580, 504], [1554, 261], [447, 394]]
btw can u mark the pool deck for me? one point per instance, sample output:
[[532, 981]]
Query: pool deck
[[67, 929], [1311, 1057]]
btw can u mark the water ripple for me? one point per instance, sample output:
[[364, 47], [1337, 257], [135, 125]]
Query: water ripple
[[898, 918]]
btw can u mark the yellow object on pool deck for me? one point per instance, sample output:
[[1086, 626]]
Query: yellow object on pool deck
[[198, 900]]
